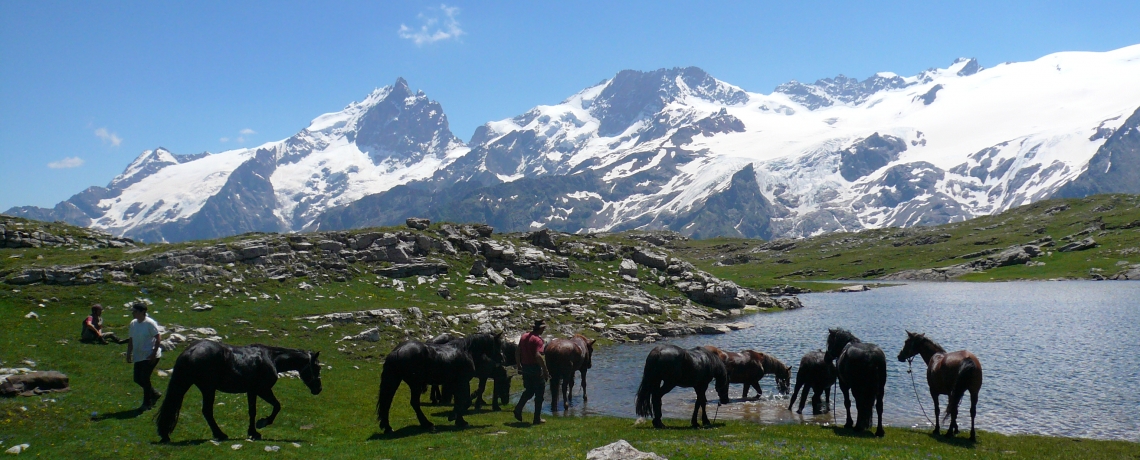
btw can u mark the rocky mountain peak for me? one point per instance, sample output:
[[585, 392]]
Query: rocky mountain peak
[[632, 95], [402, 125], [147, 163]]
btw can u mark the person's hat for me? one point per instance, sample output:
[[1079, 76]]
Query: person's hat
[[96, 307], [539, 323]]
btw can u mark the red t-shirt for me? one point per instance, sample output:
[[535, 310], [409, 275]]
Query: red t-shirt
[[529, 345]]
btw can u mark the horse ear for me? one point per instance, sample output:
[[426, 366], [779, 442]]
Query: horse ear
[[316, 355], [591, 343]]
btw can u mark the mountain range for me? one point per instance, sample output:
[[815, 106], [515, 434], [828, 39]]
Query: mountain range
[[666, 149]]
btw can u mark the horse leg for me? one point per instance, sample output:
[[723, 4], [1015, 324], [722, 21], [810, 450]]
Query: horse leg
[[584, 386], [792, 402], [478, 396], [973, 412], [815, 401], [252, 431], [208, 413], [555, 389], [567, 392], [665, 388], [937, 420], [462, 401], [759, 392], [846, 404], [270, 398], [424, 422], [701, 401], [879, 408], [744, 395]]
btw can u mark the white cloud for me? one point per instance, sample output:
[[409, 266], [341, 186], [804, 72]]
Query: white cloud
[[69, 162], [224, 139], [430, 30], [247, 131], [108, 137]]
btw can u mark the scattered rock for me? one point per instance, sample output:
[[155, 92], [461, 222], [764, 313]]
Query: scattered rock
[[479, 268], [620, 450], [1087, 243], [444, 292], [17, 449], [628, 268], [369, 335], [854, 288], [32, 315], [418, 223], [650, 259], [201, 307]]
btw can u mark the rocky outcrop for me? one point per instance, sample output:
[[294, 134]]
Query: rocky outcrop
[[1013, 255], [620, 450], [22, 233], [1087, 243]]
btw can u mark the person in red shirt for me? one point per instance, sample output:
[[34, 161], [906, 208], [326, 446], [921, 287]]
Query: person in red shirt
[[532, 366], [93, 328]]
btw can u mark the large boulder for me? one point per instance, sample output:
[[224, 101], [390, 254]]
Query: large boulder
[[418, 223], [651, 259], [620, 450], [628, 268], [1087, 243]]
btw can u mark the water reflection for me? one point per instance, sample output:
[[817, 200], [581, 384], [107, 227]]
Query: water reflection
[[1058, 357]]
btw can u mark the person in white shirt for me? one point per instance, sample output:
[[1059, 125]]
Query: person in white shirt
[[143, 349]]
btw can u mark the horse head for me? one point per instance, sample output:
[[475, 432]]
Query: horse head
[[783, 375], [721, 376], [311, 373], [916, 344], [837, 339], [589, 362]]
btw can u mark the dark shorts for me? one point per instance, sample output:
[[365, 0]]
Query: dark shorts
[[532, 379]]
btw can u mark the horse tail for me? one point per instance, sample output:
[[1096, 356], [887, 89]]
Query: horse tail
[[389, 383], [180, 382], [967, 373], [649, 384]]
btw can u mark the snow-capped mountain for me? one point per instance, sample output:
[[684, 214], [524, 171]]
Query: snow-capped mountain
[[391, 137], [672, 148]]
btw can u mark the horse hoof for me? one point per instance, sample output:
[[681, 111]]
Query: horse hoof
[[164, 440], [428, 426], [461, 423], [658, 424], [880, 433], [221, 436], [388, 430], [263, 423], [255, 436]]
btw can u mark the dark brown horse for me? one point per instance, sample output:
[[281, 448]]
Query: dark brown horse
[[748, 367], [862, 371], [670, 366], [563, 358], [815, 374], [950, 374]]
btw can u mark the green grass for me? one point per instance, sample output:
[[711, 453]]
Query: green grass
[[340, 422]]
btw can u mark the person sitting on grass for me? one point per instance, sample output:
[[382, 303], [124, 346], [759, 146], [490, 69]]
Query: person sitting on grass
[[93, 329]]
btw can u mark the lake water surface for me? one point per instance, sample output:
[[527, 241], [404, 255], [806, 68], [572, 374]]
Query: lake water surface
[[1059, 358]]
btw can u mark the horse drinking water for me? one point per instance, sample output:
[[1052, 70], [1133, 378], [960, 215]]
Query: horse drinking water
[[950, 374], [815, 374], [563, 358], [251, 370], [862, 371], [421, 364], [484, 369], [669, 366]]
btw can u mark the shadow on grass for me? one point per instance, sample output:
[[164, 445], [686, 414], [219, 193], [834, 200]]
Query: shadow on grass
[[120, 415], [955, 441], [197, 442], [679, 427], [414, 430], [849, 432]]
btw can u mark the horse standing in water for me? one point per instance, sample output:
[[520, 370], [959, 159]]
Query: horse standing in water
[[950, 374], [815, 374], [862, 371], [669, 366], [422, 364], [563, 358], [748, 367], [252, 370]]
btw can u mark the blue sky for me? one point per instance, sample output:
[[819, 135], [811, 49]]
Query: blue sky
[[86, 86]]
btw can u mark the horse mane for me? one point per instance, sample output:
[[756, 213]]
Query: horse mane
[[927, 340], [844, 334], [717, 351]]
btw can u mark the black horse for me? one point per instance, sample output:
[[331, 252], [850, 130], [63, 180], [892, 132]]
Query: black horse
[[422, 364], [669, 366], [251, 370], [862, 370], [484, 370], [815, 374]]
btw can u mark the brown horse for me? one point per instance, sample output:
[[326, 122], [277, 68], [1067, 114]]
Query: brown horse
[[563, 358], [950, 374], [748, 367]]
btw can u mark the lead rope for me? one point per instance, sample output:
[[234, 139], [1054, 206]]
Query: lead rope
[[717, 412], [910, 361]]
